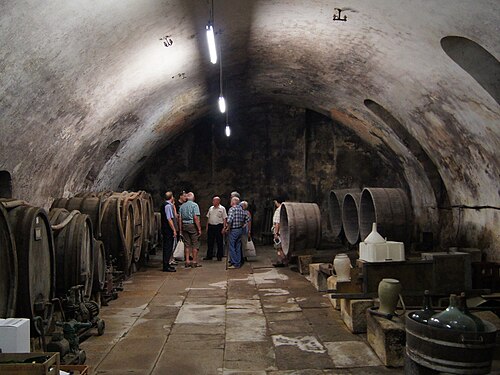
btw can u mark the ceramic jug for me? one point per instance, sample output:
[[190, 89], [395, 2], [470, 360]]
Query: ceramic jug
[[389, 293], [426, 312], [453, 318], [342, 266]]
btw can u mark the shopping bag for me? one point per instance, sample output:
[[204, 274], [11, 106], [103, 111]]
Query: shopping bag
[[179, 250], [250, 249]]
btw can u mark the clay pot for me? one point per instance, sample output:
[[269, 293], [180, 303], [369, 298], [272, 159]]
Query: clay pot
[[342, 266], [389, 292]]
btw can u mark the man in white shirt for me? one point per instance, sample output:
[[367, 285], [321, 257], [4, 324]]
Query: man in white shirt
[[217, 221], [282, 259]]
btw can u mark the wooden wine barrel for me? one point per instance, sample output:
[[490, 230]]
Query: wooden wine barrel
[[36, 265], [8, 267], [74, 245], [156, 229], [388, 207], [90, 206], [450, 351], [300, 227], [148, 221], [99, 266], [350, 217], [117, 225], [335, 202]]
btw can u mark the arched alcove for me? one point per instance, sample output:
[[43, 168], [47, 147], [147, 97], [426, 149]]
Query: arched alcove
[[5, 184], [475, 60]]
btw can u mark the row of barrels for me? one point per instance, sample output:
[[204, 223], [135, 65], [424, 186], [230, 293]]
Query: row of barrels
[[353, 211], [125, 222], [43, 255]]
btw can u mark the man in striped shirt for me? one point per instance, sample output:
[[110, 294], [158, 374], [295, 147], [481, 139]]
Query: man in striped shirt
[[237, 219]]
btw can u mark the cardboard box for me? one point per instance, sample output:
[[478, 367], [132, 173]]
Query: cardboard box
[[15, 335]]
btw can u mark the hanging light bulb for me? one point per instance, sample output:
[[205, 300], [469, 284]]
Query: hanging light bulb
[[228, 130], [211, 43], [222, 104]]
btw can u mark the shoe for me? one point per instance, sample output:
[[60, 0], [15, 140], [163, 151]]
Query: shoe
[[196, 265], [278, 265], [187, 265], [207, 258], [173, 263], [231, 267], [171, 269]]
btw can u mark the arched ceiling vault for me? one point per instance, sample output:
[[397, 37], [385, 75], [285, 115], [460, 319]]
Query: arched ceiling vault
[[78, 75]]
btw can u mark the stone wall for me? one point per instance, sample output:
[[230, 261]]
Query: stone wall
[[261, 160]]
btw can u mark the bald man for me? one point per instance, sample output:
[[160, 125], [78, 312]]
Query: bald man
[[216, 222]]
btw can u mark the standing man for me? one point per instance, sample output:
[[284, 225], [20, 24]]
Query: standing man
[[190, 229], [282, 259], [217, 221], [236, 219], [168, 230]]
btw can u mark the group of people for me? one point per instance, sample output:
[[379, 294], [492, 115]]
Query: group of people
[[180, 220]]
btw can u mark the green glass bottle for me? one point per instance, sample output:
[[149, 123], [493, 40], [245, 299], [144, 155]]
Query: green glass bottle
[[453, 318], [463, 305], [426, 312]]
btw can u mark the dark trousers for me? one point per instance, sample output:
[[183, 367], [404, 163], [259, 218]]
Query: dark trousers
[[215, 235], [168, 248]]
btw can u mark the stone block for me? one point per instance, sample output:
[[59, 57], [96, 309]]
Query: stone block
[[387, 339], [353, 313], [331, 283], [318, 278], [304, 262]]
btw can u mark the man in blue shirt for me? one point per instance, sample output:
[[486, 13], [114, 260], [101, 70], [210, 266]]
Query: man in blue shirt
[[168, 230], [237, 219], [190, 227]]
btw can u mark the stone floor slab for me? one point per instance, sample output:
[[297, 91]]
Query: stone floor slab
[[201, 314], [349, 354]]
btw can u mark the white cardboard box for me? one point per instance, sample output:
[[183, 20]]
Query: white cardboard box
[[15, 335], [389, 251]]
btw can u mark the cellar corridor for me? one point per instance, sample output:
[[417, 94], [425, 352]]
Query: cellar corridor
[[255, 320]]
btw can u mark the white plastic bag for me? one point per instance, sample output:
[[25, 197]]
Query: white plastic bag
[[179, 250], [250, 249]]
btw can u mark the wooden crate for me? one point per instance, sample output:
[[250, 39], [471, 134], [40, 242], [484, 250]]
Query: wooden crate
[[76, 369], [49, 367]]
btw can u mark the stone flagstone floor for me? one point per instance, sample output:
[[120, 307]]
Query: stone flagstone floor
[[256, 320]]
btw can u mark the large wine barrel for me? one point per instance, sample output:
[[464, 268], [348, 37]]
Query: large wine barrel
[[148, 221], [300, 227], [156, 229], [450, 351], [99, 266], [8, 267], [35, 264], [350, 219], [390, 209], [74, 244], [335, 200], [117, 226], [90, 206]]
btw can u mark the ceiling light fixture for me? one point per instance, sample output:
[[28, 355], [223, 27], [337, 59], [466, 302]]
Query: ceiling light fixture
[[228, 130], [211, 36]]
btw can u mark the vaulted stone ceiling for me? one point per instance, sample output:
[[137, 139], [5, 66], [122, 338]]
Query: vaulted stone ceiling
[[77, 76]]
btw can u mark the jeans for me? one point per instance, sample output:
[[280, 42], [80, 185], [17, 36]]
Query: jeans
[[215, 235], [168, 248], [235, 246]]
